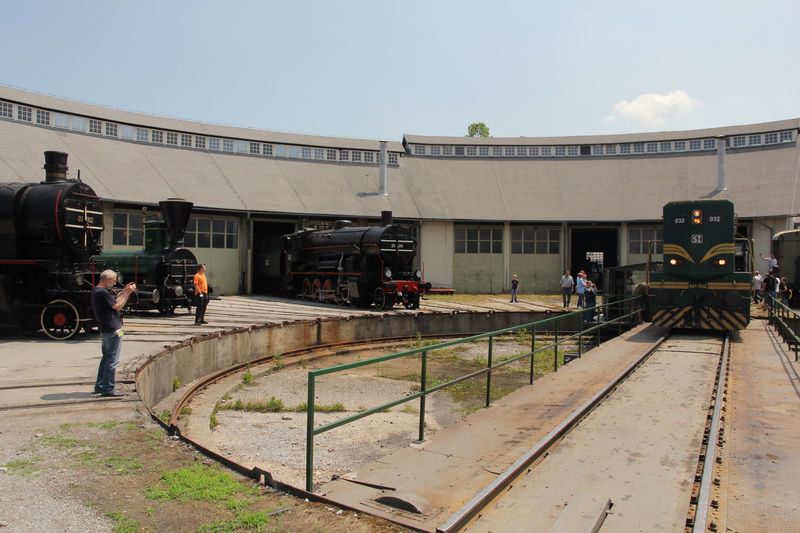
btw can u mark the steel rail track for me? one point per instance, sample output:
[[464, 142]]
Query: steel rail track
[[61, 403], [698, 515]]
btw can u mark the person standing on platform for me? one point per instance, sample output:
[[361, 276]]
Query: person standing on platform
[[200, 294], [772, 264], [106, 307], [757, 293], [565, 285], [580, 287], [514, 289], [590, 300]]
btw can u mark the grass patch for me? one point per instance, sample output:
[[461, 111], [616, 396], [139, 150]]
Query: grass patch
[[123, 524], [123, 466], [333, 408], [245, 521], [270, 406], [197, 482], [24, 467]]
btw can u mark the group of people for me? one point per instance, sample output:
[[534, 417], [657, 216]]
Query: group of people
[[107, 305], [585, 289], [770, 285]]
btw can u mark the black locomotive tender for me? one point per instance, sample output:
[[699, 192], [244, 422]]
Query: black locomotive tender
[[362, 266], [49, 233]]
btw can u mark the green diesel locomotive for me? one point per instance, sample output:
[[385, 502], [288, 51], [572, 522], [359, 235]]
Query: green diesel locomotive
[[707, 274]]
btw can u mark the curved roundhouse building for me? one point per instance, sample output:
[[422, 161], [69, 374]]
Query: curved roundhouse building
[[484, 208]]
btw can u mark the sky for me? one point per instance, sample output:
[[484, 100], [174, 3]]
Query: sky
[[380, 70]]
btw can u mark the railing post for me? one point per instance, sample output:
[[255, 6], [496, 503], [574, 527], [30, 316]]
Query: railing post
[[489, 374], [580, 334], [533, 352], [555, 348], [423, 386], [310, 435]]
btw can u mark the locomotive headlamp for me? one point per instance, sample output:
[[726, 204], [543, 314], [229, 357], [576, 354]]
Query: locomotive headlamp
[[418, 274], [387, 273], [675, 262], [721, 262], [178, 291], [77, 278], [697, 217]]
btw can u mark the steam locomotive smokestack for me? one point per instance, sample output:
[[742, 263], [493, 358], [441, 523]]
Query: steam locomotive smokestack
[[176, 212], [55, 166], [383, 159], [386, 218]]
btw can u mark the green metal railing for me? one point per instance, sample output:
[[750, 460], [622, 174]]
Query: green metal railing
[[786, 322], [555, 324]]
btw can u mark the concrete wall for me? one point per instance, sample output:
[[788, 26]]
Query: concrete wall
[[203, 356]]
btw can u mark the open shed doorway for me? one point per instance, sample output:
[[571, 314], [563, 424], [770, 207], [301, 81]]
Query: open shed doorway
[[592, 250], [266, 240]]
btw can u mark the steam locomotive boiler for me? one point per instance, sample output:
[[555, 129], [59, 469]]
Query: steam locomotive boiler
[[49, 232], [164, 270], [359, 265]]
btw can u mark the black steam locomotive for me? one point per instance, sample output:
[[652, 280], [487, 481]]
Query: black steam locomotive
[[49, 233], [163, 271], [358, 265]]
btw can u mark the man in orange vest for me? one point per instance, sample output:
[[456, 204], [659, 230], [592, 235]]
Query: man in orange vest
[[200, 294]]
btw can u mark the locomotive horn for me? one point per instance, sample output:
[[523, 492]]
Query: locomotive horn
[[55, 166], [176, 212]]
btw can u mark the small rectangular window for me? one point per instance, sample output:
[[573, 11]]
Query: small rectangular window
[[111, 129], [172, 137], [186, 140], [6, 110], [227, 145], [126, 132], [142, 134], [95, 126], [24, 113], [158, 136], [200, 142], [79, 124], [43, 117], [60, 120]]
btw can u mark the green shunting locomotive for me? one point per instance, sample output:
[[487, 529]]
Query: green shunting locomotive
[[164, 270], [708, 270]]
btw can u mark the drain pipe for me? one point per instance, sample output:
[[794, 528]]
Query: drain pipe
[[722, 180], [384, 162]]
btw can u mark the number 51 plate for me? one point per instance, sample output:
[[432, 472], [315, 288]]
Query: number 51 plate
[[697, 239]]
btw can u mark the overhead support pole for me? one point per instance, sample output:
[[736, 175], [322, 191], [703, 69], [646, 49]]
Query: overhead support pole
[[722, 179]]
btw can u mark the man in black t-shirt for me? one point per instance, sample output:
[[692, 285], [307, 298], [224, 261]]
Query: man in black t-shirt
[[106, 306]]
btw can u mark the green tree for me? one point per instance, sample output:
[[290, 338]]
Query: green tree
[[478, 129]]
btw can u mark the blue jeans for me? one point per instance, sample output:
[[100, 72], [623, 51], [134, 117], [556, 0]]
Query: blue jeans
[[580, 299], [111, 344], [513, 295], [566, 295]]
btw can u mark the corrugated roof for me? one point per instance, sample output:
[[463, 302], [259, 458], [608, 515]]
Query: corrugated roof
[[589, 140], [186, 126], [762, 181]]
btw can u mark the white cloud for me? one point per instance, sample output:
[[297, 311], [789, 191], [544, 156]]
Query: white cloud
[[654, 109]]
